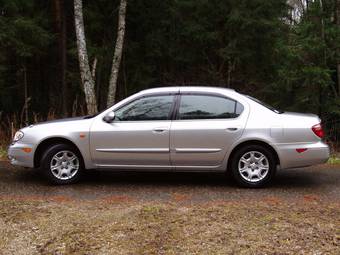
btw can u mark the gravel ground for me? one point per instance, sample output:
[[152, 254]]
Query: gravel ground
[[170, 213]]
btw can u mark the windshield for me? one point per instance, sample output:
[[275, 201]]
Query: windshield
[[265, 105]]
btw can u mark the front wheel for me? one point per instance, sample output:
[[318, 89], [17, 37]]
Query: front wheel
[[62, 164], [253, 166]]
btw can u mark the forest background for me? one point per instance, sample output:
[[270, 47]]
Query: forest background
[[286, 53]]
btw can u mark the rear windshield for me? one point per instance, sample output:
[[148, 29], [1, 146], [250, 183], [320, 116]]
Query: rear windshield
[[265, 105]]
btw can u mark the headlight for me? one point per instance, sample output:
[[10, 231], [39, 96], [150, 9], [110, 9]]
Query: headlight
[[18, 136]]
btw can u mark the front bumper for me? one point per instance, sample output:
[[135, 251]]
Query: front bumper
[[21, 154], [315, 153]]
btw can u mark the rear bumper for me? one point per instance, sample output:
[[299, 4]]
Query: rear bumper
[[20, 156], [315, 153]]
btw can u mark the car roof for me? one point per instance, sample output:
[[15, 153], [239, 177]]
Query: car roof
[[187, 89]]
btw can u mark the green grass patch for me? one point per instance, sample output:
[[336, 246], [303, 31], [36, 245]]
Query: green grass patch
[[3, 152], [334, 160]]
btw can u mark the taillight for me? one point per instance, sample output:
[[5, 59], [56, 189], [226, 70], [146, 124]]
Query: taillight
[[317, 129]]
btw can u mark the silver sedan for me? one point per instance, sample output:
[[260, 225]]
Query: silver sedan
[[175, 129]]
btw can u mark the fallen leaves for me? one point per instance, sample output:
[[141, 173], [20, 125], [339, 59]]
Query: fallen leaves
[[120, 225]]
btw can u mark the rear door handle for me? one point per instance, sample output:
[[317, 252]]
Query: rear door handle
[[232, 129]]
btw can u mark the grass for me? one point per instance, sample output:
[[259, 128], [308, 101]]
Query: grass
[[3, 152], [74, 227], [334, 159]]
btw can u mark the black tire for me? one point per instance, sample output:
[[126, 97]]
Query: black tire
[[46, 159], [241, 179]]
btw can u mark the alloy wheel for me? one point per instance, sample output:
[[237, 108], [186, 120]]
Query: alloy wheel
[[253, 166], [64, 165]]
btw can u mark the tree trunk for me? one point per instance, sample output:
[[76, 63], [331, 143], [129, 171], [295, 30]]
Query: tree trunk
[[60, 27], [94, 68], [85, 72], [323, 31], [230, 69], [117, 54], [26, 96], [324, 53], [337, 20]]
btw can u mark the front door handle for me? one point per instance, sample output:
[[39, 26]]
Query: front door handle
[[233, 129], [160, 130]]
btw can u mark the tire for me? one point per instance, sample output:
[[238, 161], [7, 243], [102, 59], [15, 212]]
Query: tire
[[62, 164], [253, 166]]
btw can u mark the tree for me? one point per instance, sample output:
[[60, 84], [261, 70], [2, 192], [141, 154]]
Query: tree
[[60, 27], [337, 21], [117, 54], [84, 67], [307, 64], [86, 74], [285, 52], [25, 40]]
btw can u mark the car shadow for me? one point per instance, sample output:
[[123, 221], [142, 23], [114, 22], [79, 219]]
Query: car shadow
[[285, 179], [298, 178], [156, 178]]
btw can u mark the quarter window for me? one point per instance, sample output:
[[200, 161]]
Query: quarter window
[[147, 108], [208, 107]]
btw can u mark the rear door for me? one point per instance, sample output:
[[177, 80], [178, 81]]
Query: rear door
[[204, 128]]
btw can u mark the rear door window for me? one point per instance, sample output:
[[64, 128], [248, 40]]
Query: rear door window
[[208, 107]]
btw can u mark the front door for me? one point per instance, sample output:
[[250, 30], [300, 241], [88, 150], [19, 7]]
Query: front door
[[204, 129], [137, 138]]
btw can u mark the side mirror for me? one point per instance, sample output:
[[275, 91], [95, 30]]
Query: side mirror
[[109, 118]]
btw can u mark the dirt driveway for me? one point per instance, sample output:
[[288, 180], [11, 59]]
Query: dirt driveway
[[170, 213]]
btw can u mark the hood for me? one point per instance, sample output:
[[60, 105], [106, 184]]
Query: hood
[[60, 120]]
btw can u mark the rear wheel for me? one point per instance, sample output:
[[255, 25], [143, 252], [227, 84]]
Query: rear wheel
[[62, 164], [253, 166]]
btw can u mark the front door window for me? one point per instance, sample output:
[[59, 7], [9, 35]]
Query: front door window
[[146, 108]]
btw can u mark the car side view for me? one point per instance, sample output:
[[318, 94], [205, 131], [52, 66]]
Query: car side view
[[175, 129]]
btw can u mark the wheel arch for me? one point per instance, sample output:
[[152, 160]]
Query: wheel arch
[[253, 142], [43, 145]]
